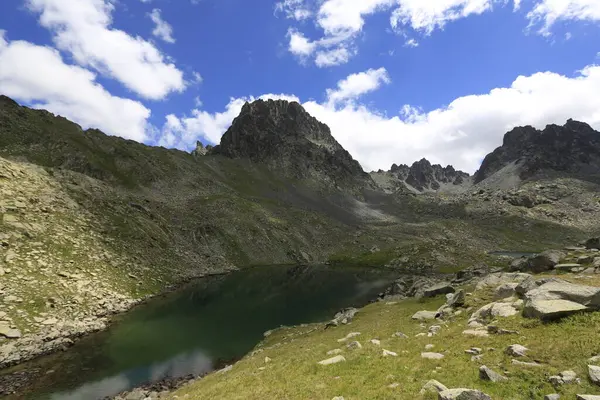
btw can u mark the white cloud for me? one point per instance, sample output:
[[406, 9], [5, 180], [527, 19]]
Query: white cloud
[[83, 28], [293, 9], [197, 78], [38, 75], [460, 134], [356, 85], [342, 21], [426, 16], [548, 12], [162, 29], [411, 43], [337, 56], [299, 44]]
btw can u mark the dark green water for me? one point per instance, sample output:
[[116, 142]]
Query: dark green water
[[191, 331]]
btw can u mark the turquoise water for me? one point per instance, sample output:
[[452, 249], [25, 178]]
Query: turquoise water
[[194, 330]]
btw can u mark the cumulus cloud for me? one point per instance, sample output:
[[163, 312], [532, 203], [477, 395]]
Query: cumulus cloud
[[342, 21], [548, 12], [83, 29], [460, 134], [356, 85], [162, 29], [38, 75]]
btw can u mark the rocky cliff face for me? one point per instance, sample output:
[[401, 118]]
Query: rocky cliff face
[[573, 149], [422, 176], [283, 136]]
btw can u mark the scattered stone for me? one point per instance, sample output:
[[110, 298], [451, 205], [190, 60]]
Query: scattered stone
[[400, 335], [429, 346], [476, 332], [493, 329], [393, 385], [389, 353], [424, 315], [434, 329], [432, 356], [349, 336], [594, 374], [267, 360], [354, 345], [525, 364], [564, 378], [226, 369], [553, 396], [433, 386], [487, 374], [338, 398], [587, 397], [463, 394], [332, 360], [376, 342], [594, 359], [494, 310], [456, 299], [8, 332], [343, 317], [516, 350], [334, 352], [474, 351], [440, 288], [567, 267]]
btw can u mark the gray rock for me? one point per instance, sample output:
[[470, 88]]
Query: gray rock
[[354, 345], [332, 360], [343, 317], [593, 243], [493, 310], [488, 374], [526, 364], [564, 378], [432, 356], [334, 352], [567, 267], [463, 394], [8, 332], [400, 335], [456, 299], [440, 288], [505, 290], [433, 386], [387, 353], [424, 315], [553, 396], [545, 261], [137, 394], [587, 259], [550, 310], [587, 397], [516, 350], [594, 374]]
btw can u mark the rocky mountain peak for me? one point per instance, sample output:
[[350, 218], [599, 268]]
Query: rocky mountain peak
[[573, 148], [286, 138], [423, 176]]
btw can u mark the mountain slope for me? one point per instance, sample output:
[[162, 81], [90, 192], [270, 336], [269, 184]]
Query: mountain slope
[[572, 149]]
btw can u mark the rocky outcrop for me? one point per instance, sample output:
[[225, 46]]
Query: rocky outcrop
[[573, 148], [422, 176], [283, 136]]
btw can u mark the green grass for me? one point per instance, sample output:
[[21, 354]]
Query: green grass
[[293, 372]]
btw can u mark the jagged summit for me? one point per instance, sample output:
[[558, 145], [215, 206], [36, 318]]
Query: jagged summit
[[573, 148], [286, 138], [421, 176]]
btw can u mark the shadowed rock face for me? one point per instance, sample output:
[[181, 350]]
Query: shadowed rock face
[[285, 137], [573, 148], [424, 176]]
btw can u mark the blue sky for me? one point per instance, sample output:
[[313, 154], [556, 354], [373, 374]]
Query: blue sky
[[396, 80]]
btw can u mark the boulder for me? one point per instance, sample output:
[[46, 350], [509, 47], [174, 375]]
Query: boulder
[[499, 278], [531, 283], [456, 299], [516, 350], [354, 345], [545, 261], [493, 310], [462, 394], [505, 290], [587, 397], [343, 317], [487, 374], [476, 332], [550, 310], [436, 290], [424, 315], [519, 264], [593, 243], [585, 296], [564, 378], [9, 333], [433, 386], [594, 374], [525, 364]]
